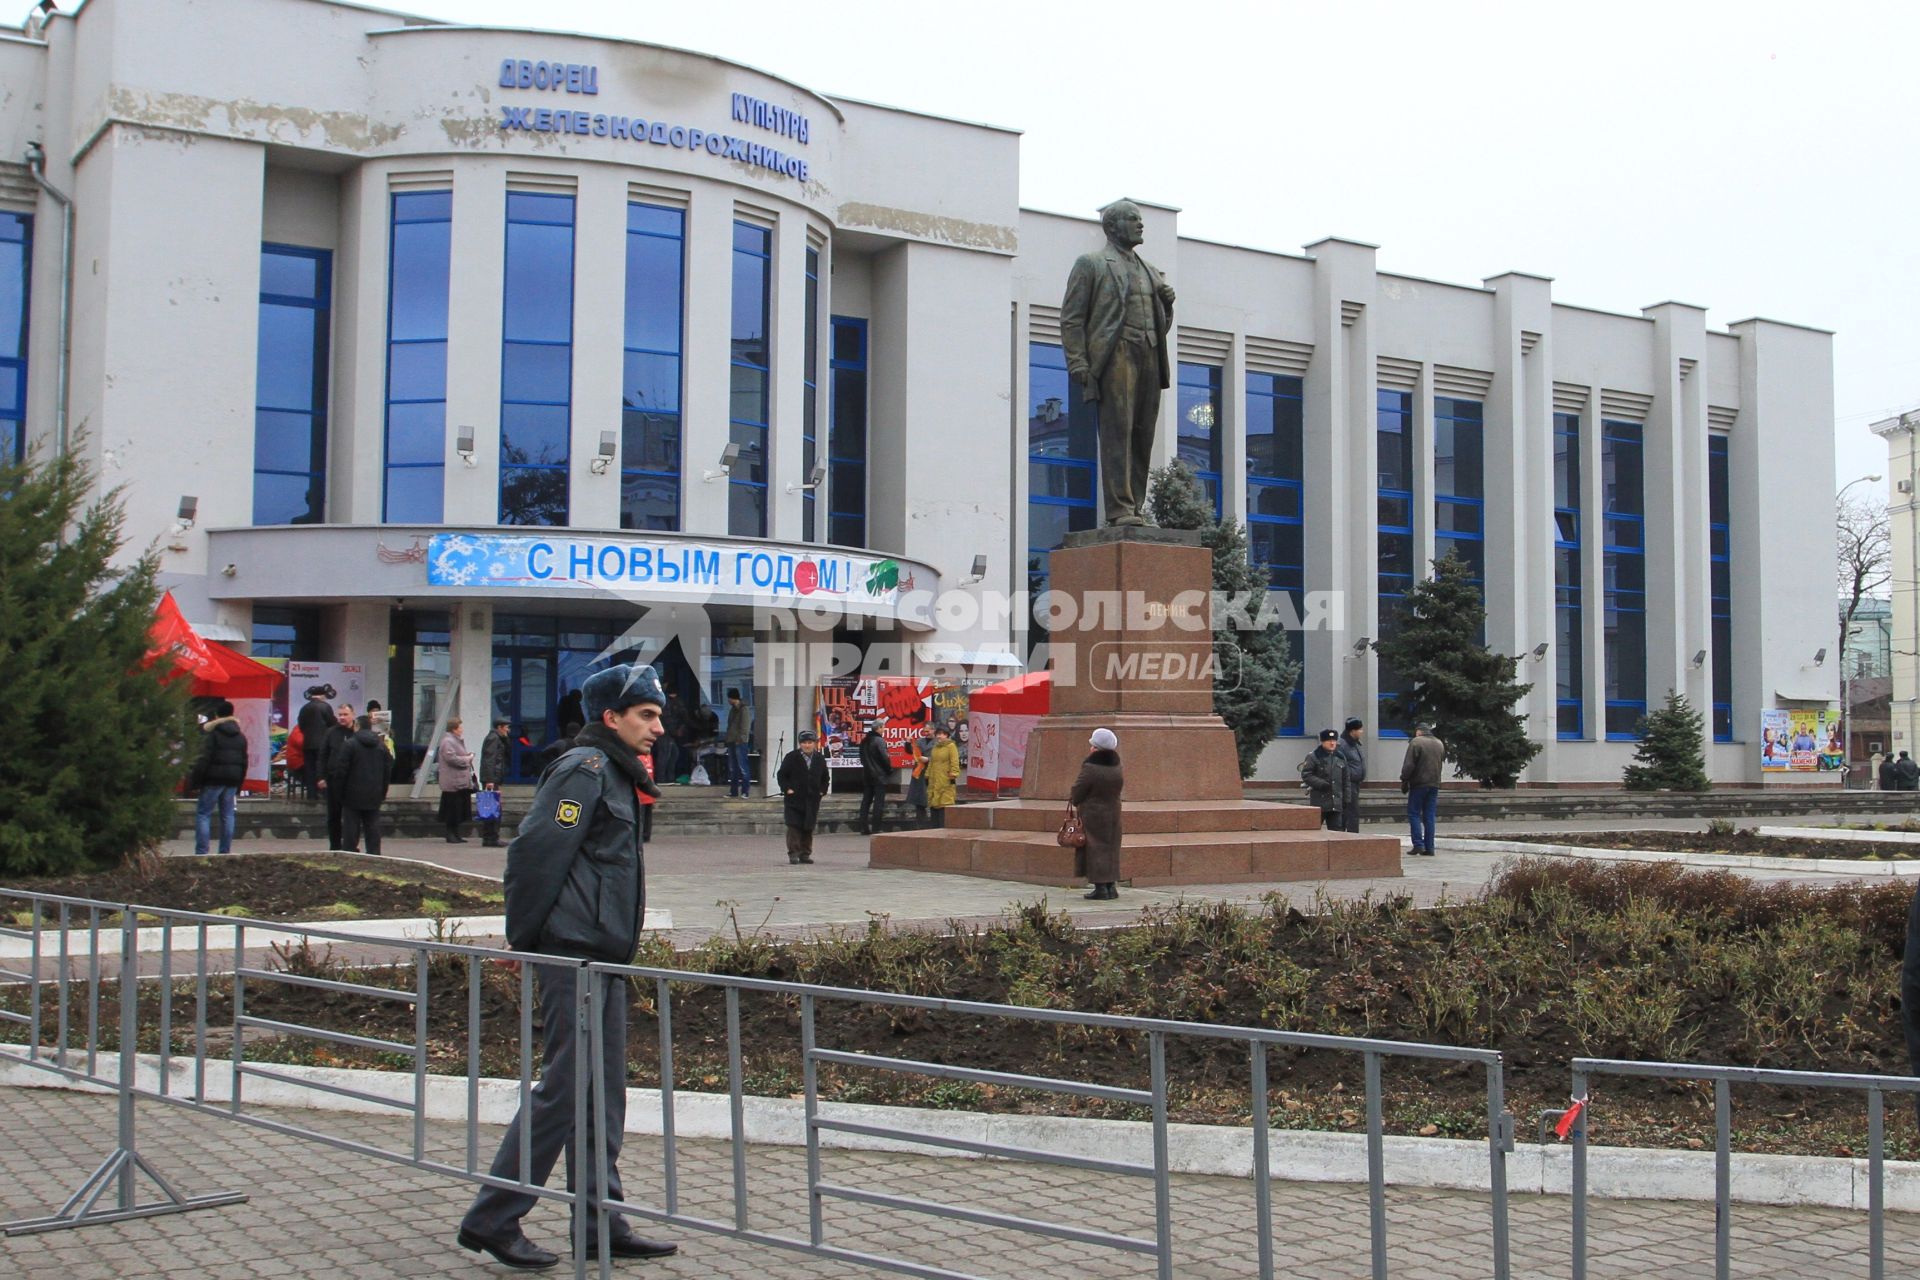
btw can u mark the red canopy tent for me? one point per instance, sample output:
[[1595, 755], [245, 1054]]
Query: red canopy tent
[[219, 672], [999, 718]]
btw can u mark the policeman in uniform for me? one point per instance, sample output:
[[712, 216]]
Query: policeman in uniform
[[575, 886]]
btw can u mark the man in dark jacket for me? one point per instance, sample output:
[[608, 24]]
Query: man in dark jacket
[[1890, 773], [576, 886], [219, 771], [1356, 758], [739, 740], [493, 771], [357, 775], [1420, 779], [1909, 773], [332, 743], [803, 780], [1324, 774], [876, 765], [314, 719]]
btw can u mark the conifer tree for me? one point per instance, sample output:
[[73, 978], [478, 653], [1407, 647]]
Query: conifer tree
[[1670, 756], [92, 730], [1254, 682], [1466, 690]]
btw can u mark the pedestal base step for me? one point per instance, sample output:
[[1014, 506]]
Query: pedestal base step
[[1150, 817], [1167, 858]]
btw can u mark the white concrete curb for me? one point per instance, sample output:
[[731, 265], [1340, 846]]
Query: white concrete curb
[[1751, 862], [1294, 1155], [186, 937], [1844, 833]]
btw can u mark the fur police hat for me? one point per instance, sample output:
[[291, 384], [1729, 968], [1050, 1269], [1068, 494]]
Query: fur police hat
[[618, 688]]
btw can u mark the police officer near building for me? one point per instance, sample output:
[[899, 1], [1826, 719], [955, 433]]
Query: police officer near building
[[575, 886]]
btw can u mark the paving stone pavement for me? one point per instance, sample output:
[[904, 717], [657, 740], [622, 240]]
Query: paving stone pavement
[[318, 1212]]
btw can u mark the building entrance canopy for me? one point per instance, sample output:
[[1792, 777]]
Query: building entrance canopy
[[341, 562]]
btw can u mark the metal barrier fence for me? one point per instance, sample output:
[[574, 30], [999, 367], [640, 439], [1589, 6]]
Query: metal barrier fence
[[184, 947], [1723, 1080]]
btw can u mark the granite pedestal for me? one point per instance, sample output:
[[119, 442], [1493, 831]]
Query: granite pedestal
[[1137, 657]]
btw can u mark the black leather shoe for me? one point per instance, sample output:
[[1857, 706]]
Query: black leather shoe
[[519, 1253], [631, 1247]]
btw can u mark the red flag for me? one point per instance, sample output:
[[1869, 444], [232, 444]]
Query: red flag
[[1570, 1117]]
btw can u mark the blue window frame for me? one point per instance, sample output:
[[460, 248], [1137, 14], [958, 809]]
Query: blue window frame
[[650, 445], [1624, 554], [1569, 636], [1720, 574], [1199, 439], [419, 258], [1063, 451], [1459, 484], [1276, 529], [290, 386], [752, 362], [810, 410], [536, 359], [16, 279], [1393, 436], [847, 435]]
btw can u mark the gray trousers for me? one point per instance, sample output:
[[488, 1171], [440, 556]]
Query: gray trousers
[[1129, 412], [496, 1211]]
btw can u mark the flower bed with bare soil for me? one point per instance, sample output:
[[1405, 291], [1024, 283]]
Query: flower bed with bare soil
[[270, 886], [1556, 959]]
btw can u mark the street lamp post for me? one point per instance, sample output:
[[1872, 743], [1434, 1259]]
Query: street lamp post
[[1846, 629]]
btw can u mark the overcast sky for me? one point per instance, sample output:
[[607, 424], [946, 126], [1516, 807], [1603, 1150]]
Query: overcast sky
[[1752, 158]]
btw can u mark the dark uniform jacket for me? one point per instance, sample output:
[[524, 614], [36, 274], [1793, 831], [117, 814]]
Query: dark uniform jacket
[[1096, 794], [575, 882], [223, 755], [358, 770], [331, 743], [1890, 774], [803, 780], [1324, 774]]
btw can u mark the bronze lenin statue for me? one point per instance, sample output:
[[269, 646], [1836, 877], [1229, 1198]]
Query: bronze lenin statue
[[1114, 326]]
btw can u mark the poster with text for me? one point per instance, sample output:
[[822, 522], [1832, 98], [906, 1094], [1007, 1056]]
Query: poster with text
[[348, 680], [846, 707]]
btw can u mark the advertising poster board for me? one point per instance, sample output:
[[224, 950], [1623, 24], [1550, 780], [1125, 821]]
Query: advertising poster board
[[1801, 740], [347, 679], [845, 707]]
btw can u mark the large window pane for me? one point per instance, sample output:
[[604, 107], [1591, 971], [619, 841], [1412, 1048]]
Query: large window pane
[[536, 372], [413, 494], [418, 300]]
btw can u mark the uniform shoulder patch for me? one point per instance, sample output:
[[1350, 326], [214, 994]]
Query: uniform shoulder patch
[[567, 814]]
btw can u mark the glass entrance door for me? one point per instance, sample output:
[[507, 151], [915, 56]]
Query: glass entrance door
[[523, 693]]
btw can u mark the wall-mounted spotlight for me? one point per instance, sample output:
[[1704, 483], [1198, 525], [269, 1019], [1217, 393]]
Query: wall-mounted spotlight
[[463, 445], [979, 570], [230, 571], [1360, 645], [1540, 650], [1699, 659], [603, 460], [1820, 658], [188, 511], [814, 481], [728, 456]]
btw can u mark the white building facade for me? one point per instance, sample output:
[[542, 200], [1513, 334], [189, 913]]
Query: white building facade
[[471, 345]]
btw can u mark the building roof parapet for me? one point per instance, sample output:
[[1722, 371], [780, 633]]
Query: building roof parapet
[[924, 115], [1784, 324], [1357, 244]]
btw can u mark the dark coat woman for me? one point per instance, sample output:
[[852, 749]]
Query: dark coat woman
[[1096, 795]]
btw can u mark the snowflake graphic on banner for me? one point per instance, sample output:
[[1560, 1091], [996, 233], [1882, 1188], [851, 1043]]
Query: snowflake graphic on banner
[[460, 560]]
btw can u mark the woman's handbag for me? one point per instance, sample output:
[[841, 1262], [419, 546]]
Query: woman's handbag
[[1073, 832]]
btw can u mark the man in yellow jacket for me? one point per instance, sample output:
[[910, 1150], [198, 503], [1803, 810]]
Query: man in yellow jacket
[[943, 775]]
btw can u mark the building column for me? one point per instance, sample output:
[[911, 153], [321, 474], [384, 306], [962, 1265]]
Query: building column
[[1678, 608], [1340, 481], [472, 660], [474, 325], [1519, 530], [599, 349]]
